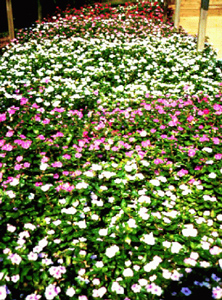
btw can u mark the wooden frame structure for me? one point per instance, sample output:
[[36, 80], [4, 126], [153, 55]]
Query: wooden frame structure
[[201, 30], [10, 19]]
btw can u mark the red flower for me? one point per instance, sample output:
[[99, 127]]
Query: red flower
[[206, 111]]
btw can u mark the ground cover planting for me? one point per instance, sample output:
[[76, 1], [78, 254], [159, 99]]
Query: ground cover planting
[[111, 160]]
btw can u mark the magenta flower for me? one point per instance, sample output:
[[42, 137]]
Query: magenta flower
[[158, 161], [145, 143], [27, 165], [66, 156], [191, 152], [57, 164], [26, 144], [153, 130], [2, 117], [182, 172], [206, 111], [7, 147], [218, 156], [190, 118]]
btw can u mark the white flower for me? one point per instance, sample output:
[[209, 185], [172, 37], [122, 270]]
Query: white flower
[[52, 291], [70, 292], [46, 187], [166, 274], [136, 288], [128, 263], [15, 278], [194, 255], [43, 166], [189, 230], [212, 175], [175, 248], [116, 287], [81, 185], [32, 256], [166, 244], [128, 168], [69, 211], [131, 223], [143, 282], [143, 213], [219, 217], [15, 258], [148, 239], [209, 150], [96, 167], [96, 281], [103, 231], [111, 251], [100, 292], [155, 182], [128, 272], [81, 224], [143, 133], [144, 198], [14, 182], [99, 264], [11, 228], [11, 194], [31, 196], [145, 163], [3, 293]]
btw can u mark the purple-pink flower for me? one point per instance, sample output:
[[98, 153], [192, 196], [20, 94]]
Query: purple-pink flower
[[182, 172], [191, 152]]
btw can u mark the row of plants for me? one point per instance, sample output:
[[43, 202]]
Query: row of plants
[[111, 163]]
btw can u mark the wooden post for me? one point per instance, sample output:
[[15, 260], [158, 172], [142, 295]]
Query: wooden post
[[39, 11], [177, 14], [202, 24], [10, 19], [165, 10]]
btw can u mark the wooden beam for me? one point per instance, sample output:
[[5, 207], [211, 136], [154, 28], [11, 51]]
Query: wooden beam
[[202, 24], [39, 11], [165, 10], [177, 14], [10, 19]]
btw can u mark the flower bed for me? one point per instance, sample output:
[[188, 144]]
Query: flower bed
[[111, 162]]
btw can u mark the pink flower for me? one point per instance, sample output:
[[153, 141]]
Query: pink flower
[[78, 155], [191, 152], [153, 130], [145, 143], [2, 117], [190, 118], [182, 172], [46, 121], [216, 141], [66, 156], [215, 250], [41, 137], [206, 111], [26, 165], [218, 156], [158, 161], [7, 147], [26, 144], [10, 133], [129, 154], [57, 164]]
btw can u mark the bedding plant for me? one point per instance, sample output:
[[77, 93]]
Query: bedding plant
[[111, 160]]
